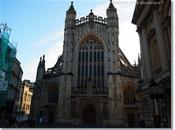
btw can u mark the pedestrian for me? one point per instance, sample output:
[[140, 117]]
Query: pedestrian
[[164, 122], [142, 123], [40, 120], [126, 124], [11, 121]]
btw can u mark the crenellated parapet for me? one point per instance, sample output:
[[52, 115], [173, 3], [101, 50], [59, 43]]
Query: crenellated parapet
[[130, 70], [57, 69], [84, 27], [96, 19]]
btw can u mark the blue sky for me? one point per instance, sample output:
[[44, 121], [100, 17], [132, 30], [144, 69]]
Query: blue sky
[[38, 25], [32, 20]]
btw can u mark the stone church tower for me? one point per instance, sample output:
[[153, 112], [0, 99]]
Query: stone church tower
[[92, 81]]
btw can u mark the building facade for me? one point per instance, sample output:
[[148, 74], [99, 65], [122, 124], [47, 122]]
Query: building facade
[[26, 98], [13, 96], [154, 28], [92, 82], [10, 74]]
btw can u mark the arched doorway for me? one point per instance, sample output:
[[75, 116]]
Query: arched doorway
[[89, 115], [131, 120], [51, 115]]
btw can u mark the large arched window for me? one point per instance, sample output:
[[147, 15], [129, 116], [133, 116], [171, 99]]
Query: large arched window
[[91, 63]]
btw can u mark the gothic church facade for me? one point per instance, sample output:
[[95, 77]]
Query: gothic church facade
[[92, 81]]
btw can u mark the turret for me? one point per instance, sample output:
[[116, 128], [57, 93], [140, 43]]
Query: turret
[[91, 19], [41, 69], [70, 17], [112, 17], [112, 37], [69, 35]]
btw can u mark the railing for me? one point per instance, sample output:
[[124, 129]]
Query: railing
[[53, 71], [129, 70], [97, 19]]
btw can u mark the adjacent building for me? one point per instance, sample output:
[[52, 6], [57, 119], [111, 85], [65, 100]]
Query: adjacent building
[[10, 75], [92, 82], [153, 20], [25, 101], [13, 97]]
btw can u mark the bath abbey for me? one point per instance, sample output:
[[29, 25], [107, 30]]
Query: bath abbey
[[92, 82]]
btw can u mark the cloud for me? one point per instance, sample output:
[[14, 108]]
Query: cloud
[[51, 56], [128, 37], [29, 69], [101, 9], [129, 41], [48, 39], [53, 53], [125, 9]]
